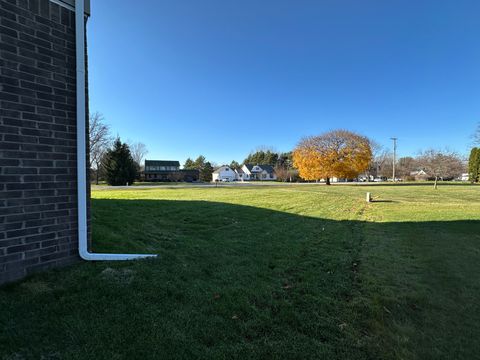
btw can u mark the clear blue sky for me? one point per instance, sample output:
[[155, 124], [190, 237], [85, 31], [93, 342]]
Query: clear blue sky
[[221, 77]]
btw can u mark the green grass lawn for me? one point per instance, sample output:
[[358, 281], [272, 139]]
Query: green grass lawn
[[142, 183], [280, 272]]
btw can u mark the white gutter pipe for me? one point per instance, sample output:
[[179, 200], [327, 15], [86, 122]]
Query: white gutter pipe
[[81, 147]]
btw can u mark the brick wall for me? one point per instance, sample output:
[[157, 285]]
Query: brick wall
[[38, 224]]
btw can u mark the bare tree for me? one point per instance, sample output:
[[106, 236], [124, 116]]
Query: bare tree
[[100, 140], [405, 166], [441, 164], [264, 148], [282, 173], [382, 159], [383, 163], [139, 151]]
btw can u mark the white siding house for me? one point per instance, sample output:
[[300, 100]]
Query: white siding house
[[258, 172], [224, 173]]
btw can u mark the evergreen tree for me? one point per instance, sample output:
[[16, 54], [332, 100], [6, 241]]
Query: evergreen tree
[[234, 165], [285, 160], [474, 165], [206, 172], [120, 168], [189, 164], [199, 162]]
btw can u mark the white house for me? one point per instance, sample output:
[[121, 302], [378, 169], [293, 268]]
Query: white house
[[464, 177], [224, 173], [419, 175], [241, 176], [256, 172]]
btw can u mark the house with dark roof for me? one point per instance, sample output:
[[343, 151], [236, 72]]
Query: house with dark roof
[[260, 172], [168, 170]]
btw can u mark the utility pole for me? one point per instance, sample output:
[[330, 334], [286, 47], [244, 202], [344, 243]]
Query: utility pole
[[394, 155]]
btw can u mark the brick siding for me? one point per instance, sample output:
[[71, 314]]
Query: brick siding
[[38, 206]]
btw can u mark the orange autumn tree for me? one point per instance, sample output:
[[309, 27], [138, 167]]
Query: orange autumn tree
[[338, 153]]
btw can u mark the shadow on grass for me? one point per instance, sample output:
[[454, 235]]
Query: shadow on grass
[[243, 282]]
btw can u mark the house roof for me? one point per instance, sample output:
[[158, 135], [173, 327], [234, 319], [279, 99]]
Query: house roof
[[217, 170], [418, 173], [162, 163], [267, 168]]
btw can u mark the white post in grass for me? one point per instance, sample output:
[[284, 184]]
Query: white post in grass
[[369, 197]]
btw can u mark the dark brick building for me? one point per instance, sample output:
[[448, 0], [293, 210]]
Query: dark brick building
[[168, 170], [38, 161]]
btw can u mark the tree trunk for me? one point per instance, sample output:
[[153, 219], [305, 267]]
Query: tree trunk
[[96, 175], [435, 185], [327, 182]]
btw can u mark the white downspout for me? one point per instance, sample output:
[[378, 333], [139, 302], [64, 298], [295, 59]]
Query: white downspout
[[81, 146]]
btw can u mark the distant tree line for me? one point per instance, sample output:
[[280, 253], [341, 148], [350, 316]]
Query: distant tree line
[[407, 168], [336, 154]]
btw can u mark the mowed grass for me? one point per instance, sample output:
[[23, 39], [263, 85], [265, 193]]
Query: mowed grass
[[268, 272]]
